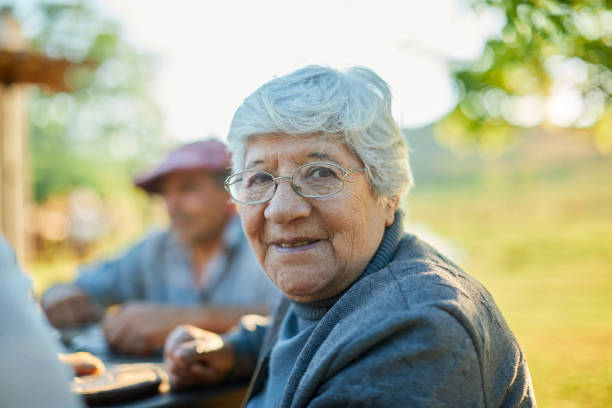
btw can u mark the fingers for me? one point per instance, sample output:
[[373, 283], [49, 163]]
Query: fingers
[[178, 368], [197, 375], [83, 310], [177, 336], [136, 328], [125, 334], [186, 344], [61, 315], [187, 368], [182, 334], [68, 306], [112, 325], [181, 357], [202, 358], [204, 372]]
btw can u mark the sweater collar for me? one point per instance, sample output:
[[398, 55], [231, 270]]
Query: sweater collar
[[383, 255]]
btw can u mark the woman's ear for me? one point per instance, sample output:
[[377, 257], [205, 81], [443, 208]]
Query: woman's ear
[[391, 204]]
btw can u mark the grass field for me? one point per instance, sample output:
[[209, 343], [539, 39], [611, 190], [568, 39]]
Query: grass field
[[540, 239]]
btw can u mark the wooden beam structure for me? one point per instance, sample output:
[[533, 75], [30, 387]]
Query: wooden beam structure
[[19, 68], [13, 148], [34, 68]]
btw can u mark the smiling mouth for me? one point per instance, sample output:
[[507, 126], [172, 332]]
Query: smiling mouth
[[294, 245], [297, 245]]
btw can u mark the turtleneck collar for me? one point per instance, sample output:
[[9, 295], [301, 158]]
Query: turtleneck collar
[[389, 243]]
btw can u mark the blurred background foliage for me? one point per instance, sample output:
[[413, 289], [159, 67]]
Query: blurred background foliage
[[108, 126], [550, 67], [86, 145], [514, 183]]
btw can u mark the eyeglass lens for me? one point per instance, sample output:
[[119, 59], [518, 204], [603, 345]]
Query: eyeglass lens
[[312, 180]]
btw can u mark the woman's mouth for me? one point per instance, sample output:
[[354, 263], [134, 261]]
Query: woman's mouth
[[295, 245]]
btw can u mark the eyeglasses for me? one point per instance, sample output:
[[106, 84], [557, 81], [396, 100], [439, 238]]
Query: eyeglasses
[[312, 180]]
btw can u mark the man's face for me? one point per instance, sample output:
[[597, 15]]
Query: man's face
[[197, 207]]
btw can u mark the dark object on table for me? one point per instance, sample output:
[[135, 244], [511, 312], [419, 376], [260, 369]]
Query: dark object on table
[[120, 383]]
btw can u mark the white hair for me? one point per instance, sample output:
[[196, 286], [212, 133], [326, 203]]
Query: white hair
[[355, 104]]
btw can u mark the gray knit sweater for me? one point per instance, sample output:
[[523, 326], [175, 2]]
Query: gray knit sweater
[[413, 331]]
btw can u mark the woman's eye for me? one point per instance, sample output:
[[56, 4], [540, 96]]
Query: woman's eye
[[258, 179], [321, 172]]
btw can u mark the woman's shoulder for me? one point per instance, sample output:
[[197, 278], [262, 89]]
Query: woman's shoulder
[[421, 281], [423, 275], [421, 300]]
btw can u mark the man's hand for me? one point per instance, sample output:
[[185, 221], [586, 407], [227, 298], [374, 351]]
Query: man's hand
[[141, 328], [69, 306], [197, 357]]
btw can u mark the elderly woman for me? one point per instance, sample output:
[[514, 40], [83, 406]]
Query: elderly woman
[[371, 316]]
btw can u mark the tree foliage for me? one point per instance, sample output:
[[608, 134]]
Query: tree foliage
[[108, 126], [551, 66]]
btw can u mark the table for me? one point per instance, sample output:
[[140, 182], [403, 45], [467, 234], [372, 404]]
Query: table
[[92, 340], [226, 395]]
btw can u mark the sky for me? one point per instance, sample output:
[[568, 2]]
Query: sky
[[212, 54]]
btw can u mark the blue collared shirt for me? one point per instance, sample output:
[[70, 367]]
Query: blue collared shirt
[[160, 269]]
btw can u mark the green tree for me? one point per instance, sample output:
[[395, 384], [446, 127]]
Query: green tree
[[108, 126], [551, 66]]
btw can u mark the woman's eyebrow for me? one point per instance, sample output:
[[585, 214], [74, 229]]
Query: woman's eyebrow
[[253, 163], [313, 155], [322, 156]]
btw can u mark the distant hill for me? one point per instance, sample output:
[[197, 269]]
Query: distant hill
[[432, 162]]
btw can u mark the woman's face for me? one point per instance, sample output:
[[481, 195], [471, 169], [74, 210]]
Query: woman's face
[[312, 248]]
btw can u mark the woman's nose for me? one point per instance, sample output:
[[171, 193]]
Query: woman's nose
[[286, 205]]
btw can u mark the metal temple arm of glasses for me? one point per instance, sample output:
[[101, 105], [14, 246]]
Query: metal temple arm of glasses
[[349, 172]]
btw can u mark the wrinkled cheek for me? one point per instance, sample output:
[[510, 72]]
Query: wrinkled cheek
[[252, 224], [260, 253], [344, 250], [270, 269]]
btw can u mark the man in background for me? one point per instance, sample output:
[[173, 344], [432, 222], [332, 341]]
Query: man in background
[[200, 271]]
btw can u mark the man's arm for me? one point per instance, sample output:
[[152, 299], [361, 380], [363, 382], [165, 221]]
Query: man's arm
[[69, 306], [141, 328], [122, 278], [97, 285]]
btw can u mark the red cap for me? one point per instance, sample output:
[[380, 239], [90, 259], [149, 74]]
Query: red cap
[[210, 155]]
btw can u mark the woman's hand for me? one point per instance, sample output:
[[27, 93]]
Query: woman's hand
[[197, 357]]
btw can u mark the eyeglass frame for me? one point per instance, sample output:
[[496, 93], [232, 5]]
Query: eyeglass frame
[[294, 187]]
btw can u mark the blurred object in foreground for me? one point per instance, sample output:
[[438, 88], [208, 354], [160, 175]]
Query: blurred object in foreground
[[82, 363]]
